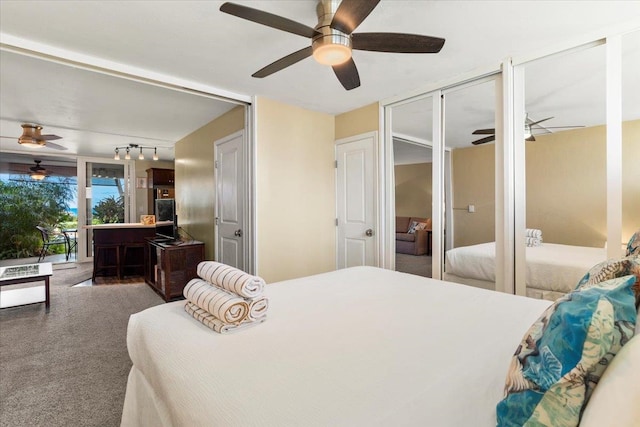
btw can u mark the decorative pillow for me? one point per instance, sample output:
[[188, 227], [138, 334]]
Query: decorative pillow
[[613, 268], [413, 227], [564, 353], [421, 226], [633, 247]]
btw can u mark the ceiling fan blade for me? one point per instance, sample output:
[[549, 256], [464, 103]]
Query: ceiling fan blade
[[284, 62], [484, 140], [351, 13], [484, 132], [348, 75], [531, 138], [563, 127], [268, 19], [540, 121], [49, 137], [55, 146], [397, 42]]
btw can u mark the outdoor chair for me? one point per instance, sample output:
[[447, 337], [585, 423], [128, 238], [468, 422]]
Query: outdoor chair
[[49, 240]]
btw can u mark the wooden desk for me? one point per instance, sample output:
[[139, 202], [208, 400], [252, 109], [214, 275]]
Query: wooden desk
[[17, 274]]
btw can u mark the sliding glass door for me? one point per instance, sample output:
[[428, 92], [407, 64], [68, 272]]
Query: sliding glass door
[[104, 196]]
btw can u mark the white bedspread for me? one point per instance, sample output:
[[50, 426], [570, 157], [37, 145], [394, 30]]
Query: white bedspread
[[356, 347], [550, 266]]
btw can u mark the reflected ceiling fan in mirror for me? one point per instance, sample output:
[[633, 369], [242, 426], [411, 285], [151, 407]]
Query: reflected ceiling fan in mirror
[[32, 137], [333, 39], [529, 127]]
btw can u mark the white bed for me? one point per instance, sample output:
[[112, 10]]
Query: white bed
[[552, 269], [356, 347]]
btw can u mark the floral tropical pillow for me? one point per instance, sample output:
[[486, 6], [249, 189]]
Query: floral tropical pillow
[[415, 226], [613, 268], [565, 352]]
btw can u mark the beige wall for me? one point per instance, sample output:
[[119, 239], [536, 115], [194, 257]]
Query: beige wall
[[566, 187], [473, 171], [141, 193], [413, 190], [295, 204], [356, 122], [195, 186]]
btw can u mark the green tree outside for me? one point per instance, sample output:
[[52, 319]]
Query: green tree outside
[[109, 210], [23, 206]]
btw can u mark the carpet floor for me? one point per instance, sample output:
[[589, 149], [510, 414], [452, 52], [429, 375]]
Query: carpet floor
[[418, 265], [69, 367]]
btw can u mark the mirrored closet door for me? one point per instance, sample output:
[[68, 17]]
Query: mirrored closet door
[[412, 138]]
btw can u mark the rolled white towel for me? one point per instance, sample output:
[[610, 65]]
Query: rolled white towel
[[231, 279], [533, 232], [532, 241], [257, 308], [211, 321], [225, 306]]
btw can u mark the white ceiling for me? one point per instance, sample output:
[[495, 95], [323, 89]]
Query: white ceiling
[[193, 41]]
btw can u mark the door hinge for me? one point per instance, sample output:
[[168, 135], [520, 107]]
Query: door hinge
[[336, 164], [336, 222], [215, 163], [216, 220]]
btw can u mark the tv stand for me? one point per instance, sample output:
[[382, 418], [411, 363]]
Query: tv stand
[[170, 264]]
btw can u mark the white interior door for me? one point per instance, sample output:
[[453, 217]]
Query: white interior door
[[356, 201], [229, 166]]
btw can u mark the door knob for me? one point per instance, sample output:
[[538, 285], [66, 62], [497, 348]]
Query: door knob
[[369, 232], [238, 233]]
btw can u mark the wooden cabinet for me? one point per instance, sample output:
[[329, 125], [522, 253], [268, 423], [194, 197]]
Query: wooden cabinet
[[170, 265], [160, 177]]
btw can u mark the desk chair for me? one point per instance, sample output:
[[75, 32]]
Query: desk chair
[[49, 240]]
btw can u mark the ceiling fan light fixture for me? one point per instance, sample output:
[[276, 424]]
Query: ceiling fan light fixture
[[38, 176], [29, 142], [117, 156], [128, 155], [155, 154], [331, 54], [527, 131], [331, 47], [140, 156], [38, 173]]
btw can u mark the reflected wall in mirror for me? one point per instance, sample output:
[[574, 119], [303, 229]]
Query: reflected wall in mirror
[[470, 217]]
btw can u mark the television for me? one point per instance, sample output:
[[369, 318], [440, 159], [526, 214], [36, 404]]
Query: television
[[166, 211]]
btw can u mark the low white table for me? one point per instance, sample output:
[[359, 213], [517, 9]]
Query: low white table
[[26, 273]]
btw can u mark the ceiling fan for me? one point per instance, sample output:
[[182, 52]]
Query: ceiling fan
[[38, 172], [31, 137], [528, 130], [332, 39]]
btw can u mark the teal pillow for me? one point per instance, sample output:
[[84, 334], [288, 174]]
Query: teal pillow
[[565, 352], [613, 268]]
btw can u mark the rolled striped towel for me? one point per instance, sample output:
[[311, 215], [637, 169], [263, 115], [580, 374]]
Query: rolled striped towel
[[225, 306], [533, 232], [532, 241], [258, 308], [209, 320], [231, 279]]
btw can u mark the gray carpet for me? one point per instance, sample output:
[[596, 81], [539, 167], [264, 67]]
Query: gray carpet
[[418, 265], [68, 367]]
